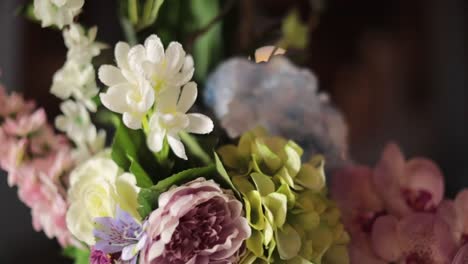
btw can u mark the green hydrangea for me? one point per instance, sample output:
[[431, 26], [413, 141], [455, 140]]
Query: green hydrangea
[[286, 202]]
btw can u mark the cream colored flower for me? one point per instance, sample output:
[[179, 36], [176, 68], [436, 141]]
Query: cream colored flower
[[129, 92], [143, 72], [82, 46], [170, 118], [97, 187], [75, 121], [57, 12], [78, 81], [166, 69]]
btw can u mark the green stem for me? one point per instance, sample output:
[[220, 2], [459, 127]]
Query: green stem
[[145, 124], [129, 31], [195, 148]]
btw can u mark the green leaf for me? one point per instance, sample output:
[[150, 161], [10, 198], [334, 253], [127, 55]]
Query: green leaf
[[194, 148], [81, 256], [148, 201], [148, 197], [207, 49], [224, 175], [129, 147], [142, 178]]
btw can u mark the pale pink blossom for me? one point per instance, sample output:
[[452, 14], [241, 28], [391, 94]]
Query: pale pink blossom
[[37, 161], [195, 223], [416, 238], [416, 185]]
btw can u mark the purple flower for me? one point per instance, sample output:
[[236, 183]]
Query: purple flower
[[122, 234], [195, 223], [99, 257]]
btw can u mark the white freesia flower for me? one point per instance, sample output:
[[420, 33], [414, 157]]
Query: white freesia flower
[[78, 81], [170, 118], [75, 121], [129, 92], [82, 47], [95, 142], [166, 69], [97, 187], [142, 73], [57, 12]]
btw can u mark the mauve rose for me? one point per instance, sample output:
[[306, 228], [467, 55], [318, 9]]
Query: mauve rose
[[195, 223]]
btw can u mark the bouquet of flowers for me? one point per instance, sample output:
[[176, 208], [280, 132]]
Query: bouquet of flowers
[[157, 193], [155, 185]]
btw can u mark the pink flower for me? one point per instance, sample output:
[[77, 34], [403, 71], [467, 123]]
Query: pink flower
[[462, 256], [13, 105], [25, 125], [195, 223], [416, 238], [416, 185], [461, 207], [354, 191], [37, 162], [47, 203]]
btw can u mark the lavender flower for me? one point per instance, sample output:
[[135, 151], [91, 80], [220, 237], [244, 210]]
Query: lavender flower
[[122, 234]]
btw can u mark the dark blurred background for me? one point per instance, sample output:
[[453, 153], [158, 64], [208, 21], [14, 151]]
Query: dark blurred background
[[397, 70]]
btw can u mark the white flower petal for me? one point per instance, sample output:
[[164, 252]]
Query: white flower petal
[[121, 55], [61, 123], [131, 120], [175, 56], [114, 98], [154, 49], [156, 140], [167, 101], [177, 146], [136, 57], [110, 75], [199, 124], [187, 98]]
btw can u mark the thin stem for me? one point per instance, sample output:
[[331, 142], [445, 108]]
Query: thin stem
[[129, 31], [195, 148], [145, 124], [200, 32]]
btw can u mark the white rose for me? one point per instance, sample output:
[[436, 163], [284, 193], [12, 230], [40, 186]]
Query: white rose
[[97, 187]]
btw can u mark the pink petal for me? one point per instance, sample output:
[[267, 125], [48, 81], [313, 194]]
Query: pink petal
[[462, 256], [461, 205], [385, 240], [426, 236], [388, 178], [424, 175], [353, 190]]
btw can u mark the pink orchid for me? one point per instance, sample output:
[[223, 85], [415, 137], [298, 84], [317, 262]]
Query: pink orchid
[[354, 191], [416, 238], [416, 185]]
